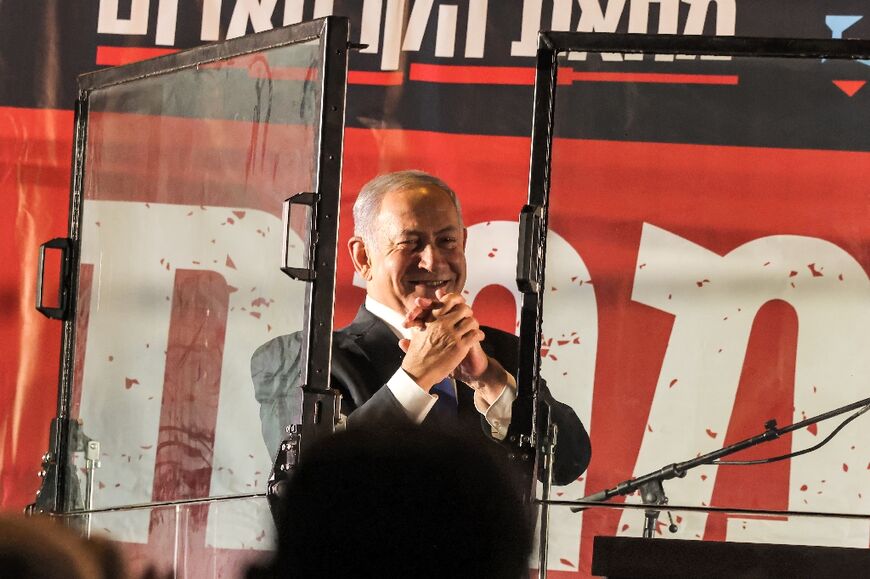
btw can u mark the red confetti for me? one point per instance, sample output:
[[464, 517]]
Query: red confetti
[[702, 282], [128, 382], [562, 342], [544, 352], [230, 263], [671, 385], [840, 277], [766, 263], [576, 340], [792, 273], [490, 254], [711, 434], [111, 358], [703, 477], [101, 485], [845, 467], [813, 429], [641, 266], [566, 562], [625, 526], [255, 314], [239, 214], [261, 302], [814, 271], [648, 427], [803, 487], [231, 221]]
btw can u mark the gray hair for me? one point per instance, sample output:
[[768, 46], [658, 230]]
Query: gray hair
[[368, 202]]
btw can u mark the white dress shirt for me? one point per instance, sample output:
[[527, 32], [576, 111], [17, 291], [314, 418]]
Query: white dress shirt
[[417, 402]]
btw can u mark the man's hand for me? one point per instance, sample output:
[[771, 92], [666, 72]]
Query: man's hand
[[479, 371], [447, 332]]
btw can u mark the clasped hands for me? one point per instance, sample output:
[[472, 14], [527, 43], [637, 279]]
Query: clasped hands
[[447, 343]]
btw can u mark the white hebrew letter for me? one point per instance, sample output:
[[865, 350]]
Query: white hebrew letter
[[109, 23], [259, 12], [714, 300]]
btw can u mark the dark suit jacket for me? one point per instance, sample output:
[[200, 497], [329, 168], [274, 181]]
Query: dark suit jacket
[[365, 355]]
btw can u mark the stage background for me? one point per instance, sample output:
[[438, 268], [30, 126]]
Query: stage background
[[776, 164]]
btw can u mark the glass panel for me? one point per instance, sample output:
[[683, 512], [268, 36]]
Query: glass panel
[[209, 540], [708, 264], [179, 283]]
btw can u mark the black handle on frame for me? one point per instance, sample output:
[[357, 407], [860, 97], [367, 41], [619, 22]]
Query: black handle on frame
[[64, 244], [306, 273], [529, 250]]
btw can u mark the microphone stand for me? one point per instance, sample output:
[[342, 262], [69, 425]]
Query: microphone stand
[[650, 484]]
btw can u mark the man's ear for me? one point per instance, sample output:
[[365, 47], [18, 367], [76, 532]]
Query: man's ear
[[359, 255], [464, 237]]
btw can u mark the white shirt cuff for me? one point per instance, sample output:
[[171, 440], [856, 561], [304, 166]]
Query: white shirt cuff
[[416, 401], [498, 414]]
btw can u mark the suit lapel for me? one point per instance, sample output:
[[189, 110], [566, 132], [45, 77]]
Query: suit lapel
[[378, 342]]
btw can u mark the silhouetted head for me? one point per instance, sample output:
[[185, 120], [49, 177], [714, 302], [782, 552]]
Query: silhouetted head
[[403, 503]]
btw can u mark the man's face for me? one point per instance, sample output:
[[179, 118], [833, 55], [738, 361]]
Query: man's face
[[419, 248]]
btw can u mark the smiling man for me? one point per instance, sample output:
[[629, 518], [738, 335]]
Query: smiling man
[[415, 353]]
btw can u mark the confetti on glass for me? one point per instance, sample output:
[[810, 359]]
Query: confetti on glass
[[229, 263], [814, 271], [711, 434], [129, 382]]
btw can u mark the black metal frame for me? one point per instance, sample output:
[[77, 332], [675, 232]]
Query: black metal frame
[[525, 433], [334, 33]]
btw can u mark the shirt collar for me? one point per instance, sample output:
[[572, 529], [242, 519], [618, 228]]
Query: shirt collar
[[389, 316]]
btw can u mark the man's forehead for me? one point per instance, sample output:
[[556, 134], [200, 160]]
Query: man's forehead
[[412, 201]]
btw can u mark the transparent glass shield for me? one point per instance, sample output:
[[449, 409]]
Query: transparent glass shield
[[180, 283], [707, 271], [210, 539]]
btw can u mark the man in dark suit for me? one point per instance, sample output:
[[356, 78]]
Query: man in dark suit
[[415, 352]]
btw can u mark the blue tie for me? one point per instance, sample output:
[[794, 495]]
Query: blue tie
[[446, 408]]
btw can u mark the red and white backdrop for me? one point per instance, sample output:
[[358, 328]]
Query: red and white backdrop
[[708, 265]]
